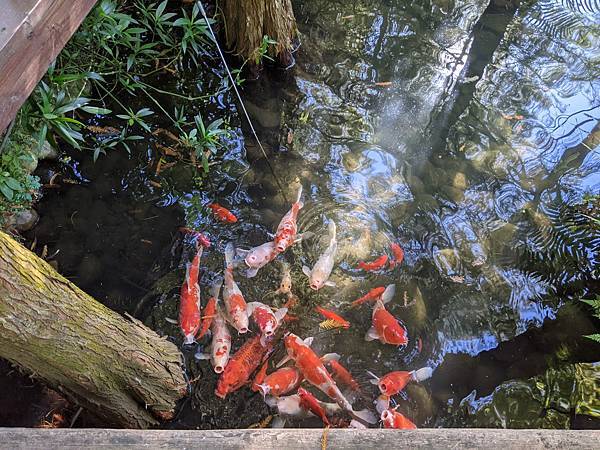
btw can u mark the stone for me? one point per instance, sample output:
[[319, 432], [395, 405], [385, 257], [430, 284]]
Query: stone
[[23, 220]]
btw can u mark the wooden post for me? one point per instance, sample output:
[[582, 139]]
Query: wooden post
[[32, 33], [118, 369]]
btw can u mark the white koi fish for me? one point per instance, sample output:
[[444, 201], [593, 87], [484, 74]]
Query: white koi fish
[[319, 275], [220, 345]]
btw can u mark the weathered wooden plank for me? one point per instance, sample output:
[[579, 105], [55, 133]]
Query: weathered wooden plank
[[284, 439], [32, 33]]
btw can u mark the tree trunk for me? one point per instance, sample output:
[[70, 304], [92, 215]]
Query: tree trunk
[[247, 21], [119, 370]]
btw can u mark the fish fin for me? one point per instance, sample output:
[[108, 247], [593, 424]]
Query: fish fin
[[371, 334], [365, 415], [251, 273], [330, 283], [332, 230], [422, 374], [189, 339], [278, 422], [271, 401], [299, 196], [241, 252], [283, 361], [388, 294], [173, 321], [330, 357], [201, 356], [215, 288], [263, 389], [356, 424], [280, 314], [304, 236], [306, 271], [251, 306], [229, 254], [375, 379], [308, 341]]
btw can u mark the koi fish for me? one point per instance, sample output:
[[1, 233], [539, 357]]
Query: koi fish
[[394, 382], [285, 286], [319, 275], [210, 310], [291, 406], [200, 238], [232, 296], [313, 370], [373, 294], [343, 376], [265, 318], [189, 306], [398, 255], [222, 213], [221, 343], [258, 257], [382, 403], [377, 264], [281, 382], [310, 403], [245, 361], [287, 228], [385, 326], [393, 419], [260, 377], [343, 323]]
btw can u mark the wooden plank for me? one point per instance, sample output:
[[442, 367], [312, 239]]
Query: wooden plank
[[32, 33], [289, 439]]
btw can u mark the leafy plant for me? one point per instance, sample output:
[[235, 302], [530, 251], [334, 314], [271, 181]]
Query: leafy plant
[[195, 29], [263, 50], [17, 186], [595, 304], [204, 140], [137, 117]]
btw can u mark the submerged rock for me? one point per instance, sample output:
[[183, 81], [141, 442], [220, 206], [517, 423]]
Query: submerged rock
[[23, 220]]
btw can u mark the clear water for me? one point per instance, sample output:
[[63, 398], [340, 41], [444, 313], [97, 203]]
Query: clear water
[[385, 126]]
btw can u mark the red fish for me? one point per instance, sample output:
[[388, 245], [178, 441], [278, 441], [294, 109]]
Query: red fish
[[222, 213], [393, 382], [398, 255], [235, 304], [240, 367], [189, 307], [201, 239], [373, 294], [265, 318], [343, 376], [310, 403], [281, 382], [210, 310], [378, 264], [393, 419], [288, 228], [260, 377], [333, 316], [385, 326]]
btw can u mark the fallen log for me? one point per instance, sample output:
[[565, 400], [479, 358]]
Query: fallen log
[[118, 369]]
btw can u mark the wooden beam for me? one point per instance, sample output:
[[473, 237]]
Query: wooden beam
[[32, 33], [293, 438]]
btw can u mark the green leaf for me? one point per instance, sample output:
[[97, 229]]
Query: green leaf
[[160, 9], [205, 163], [181, 22], [144, 112], [13, 184], [50, 116], [8, 193], [594, 337], [130, 61], [94, 110]]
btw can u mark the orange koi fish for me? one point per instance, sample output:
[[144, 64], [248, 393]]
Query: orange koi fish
[[342, 375], [386, 327], [393, 419], [310, 403], [240, 367], [398, 255], [232, 296], [265, 318], [287, 228], [373, 294], [222, 213], [210, 310], [281, 382], [394, 382], [221, 343], [372, 266], [313, 370], [260, 377], [189, 306], [333, 316]]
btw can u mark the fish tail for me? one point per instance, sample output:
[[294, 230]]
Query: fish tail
[[364, 415], [388, 294], [215, 288], [229, 254], [422, 374], [299, 196]]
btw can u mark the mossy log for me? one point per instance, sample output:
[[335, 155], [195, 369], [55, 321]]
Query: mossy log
[[247, 21], [118, 369]]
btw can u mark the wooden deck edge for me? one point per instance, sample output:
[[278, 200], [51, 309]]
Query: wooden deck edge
[[32, 46], [284, 439]]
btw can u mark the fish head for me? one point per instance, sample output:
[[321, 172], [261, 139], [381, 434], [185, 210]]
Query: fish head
[[269, 329], [240, 321], [289, 405], [387, 417], [316, 282], [293, 345], [188, 339]]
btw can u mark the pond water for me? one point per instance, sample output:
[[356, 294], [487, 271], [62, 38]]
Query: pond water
[[460, 130]]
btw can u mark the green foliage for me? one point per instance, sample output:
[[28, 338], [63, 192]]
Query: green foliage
[[595, 305], [263, 50], [204, 140]]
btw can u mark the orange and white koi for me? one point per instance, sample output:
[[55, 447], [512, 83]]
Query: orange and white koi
[[258, 257], [291, 406], [281, 382], [319, 275], [210, 310], [373, 294], [398, 255], [393, 382], [285, 235], [385, 326], [377, 264], [221, 343], [189, 306], [222, 213], [393, 419], [265, 318], [232, 296], [330, 315], [285, 286], [310, 403], [245, 361], [343, 376], [260, 376]]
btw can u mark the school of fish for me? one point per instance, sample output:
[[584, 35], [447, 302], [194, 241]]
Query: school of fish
[[285, 385]]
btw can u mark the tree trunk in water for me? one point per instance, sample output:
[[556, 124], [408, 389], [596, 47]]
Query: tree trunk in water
[[119, 370], [247, 21]]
